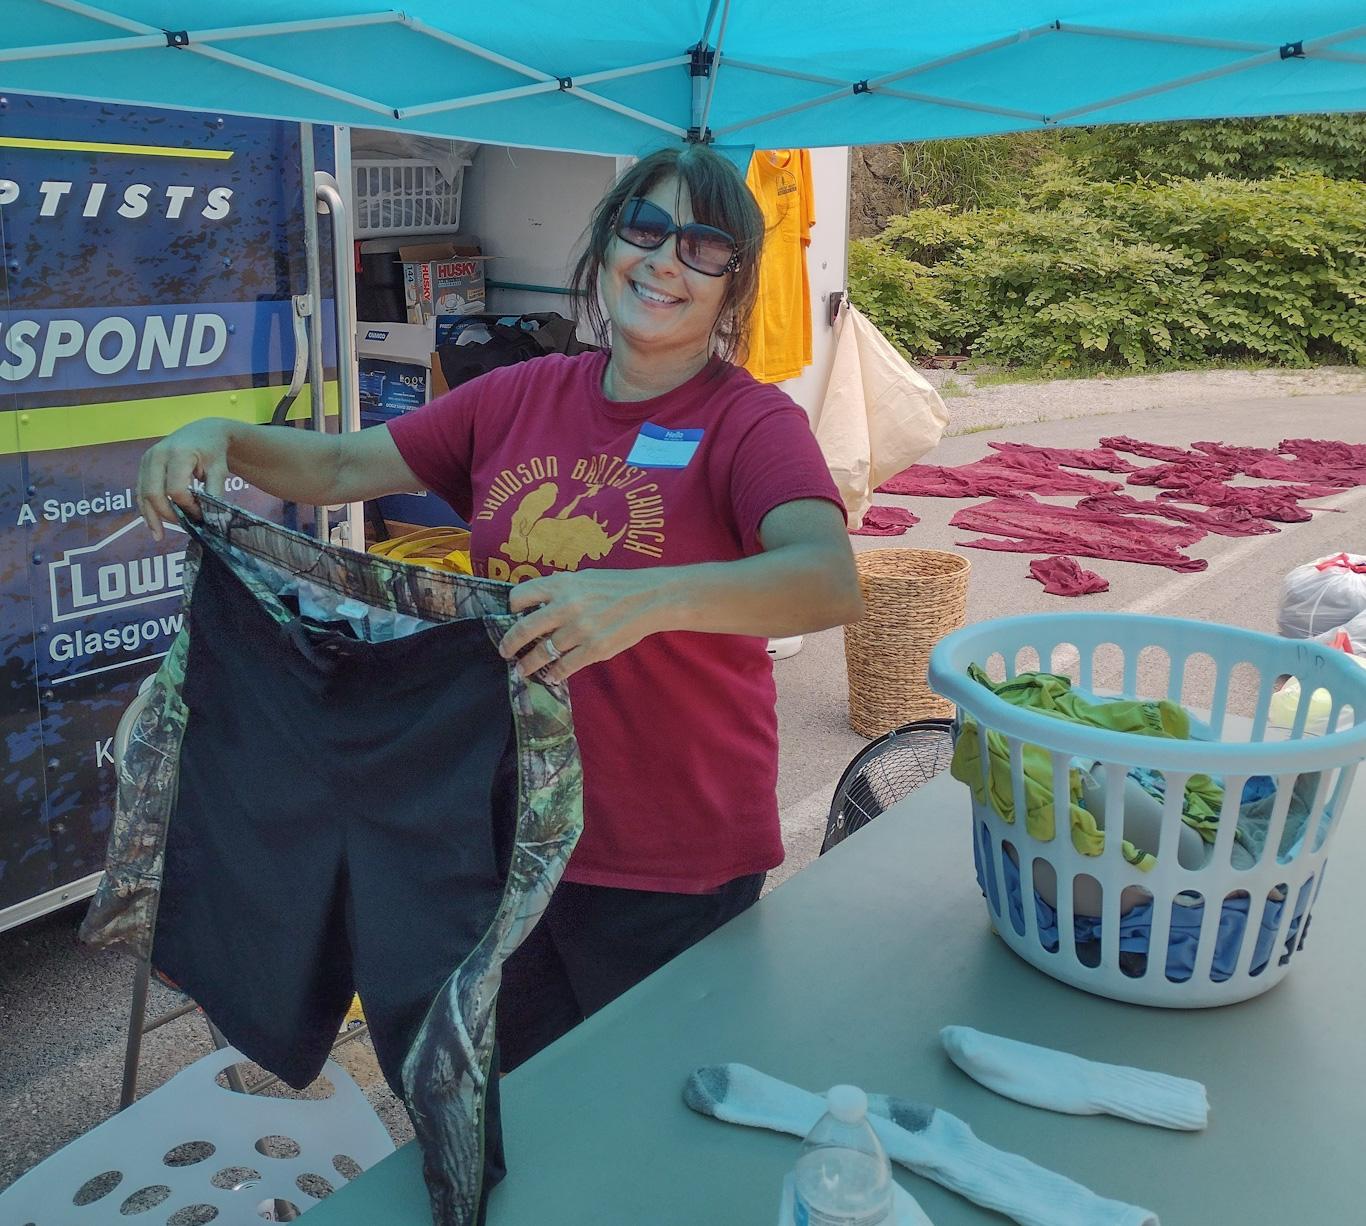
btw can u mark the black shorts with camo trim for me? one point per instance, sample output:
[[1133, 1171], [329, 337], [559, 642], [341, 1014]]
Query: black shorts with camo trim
[[338, 785]]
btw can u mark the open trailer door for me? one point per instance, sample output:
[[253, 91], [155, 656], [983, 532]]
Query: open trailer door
[[154, 271]]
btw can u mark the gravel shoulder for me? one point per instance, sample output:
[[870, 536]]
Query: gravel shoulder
[[973, 408]]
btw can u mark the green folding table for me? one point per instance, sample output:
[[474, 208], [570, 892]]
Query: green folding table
[[845, 974]]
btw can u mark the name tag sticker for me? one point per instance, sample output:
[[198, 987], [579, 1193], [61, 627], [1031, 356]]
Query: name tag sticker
[[656, 447]]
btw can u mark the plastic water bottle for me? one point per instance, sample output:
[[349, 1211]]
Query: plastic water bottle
[[842, 1177]]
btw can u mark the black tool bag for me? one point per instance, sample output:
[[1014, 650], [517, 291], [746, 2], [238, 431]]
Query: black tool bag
[[512, 339]]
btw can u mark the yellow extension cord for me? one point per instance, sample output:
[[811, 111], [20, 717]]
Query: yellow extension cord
[[438, 548]]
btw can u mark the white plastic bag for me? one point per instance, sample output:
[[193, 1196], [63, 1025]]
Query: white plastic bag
[[1355, 630], [1322, 595], [879, 415]]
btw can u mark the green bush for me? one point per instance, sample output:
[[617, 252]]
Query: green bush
[[985, 171], [1331, 145], [1128, 273]]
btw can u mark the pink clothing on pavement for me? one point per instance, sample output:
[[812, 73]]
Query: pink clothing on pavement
[[995, 475], [1040, 527], [1182, 473], [1345, 476], [1103, 458], [886, 521], [1065, 577], [1149, 451], [1278, 502], [1236, 455], [1226, 521], [1324, 451]]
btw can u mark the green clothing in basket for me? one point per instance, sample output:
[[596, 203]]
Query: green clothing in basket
[[1054, 696]]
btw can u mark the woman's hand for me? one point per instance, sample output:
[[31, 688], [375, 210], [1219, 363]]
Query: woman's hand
[[199, 450], [571, 620], [803, 581]]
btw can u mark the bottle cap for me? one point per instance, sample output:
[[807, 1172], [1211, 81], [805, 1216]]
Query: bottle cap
[[848, 1104]]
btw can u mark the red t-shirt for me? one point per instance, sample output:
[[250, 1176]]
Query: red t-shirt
[[678, 735]]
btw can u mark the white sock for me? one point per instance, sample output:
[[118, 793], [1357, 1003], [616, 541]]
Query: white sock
[[1058, 1081], [928, 1141]]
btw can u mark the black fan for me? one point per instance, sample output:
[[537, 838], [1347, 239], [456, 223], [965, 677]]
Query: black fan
[[892, 766]]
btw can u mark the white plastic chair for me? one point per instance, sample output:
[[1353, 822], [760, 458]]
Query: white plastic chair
[[193, 1152]]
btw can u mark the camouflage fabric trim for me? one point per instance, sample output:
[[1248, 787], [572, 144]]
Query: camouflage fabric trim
[[123, 912], [447, 1067], [240, 537]]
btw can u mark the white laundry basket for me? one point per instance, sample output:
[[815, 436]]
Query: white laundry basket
[[397, 196], [1216, 931]]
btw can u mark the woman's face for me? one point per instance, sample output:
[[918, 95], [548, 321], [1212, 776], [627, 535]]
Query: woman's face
[[657, 304]]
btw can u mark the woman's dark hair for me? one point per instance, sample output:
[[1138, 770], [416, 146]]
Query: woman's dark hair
[[719, 198]]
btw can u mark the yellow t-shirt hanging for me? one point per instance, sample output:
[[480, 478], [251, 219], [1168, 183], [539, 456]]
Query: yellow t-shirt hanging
[[780, 330]]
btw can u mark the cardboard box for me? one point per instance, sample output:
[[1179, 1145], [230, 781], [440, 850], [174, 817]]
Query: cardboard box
[[395, 362], [395, 366], [442, 279]]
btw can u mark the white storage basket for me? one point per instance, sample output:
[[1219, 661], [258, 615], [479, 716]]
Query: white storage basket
[[396, 196], [1216, 931]]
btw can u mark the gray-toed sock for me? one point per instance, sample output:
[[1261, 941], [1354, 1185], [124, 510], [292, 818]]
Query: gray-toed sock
[[1058, 1081], [923, 1139]]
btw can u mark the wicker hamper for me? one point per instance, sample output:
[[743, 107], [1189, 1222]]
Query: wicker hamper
[[912, 598]]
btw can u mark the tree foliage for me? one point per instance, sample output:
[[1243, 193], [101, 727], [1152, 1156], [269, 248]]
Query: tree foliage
[[1175, 243], [1128, 273], [1330, 145]]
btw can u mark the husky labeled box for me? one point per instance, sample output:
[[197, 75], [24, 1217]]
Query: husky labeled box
[[442, 279]]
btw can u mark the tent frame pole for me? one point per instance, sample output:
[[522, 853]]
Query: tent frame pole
[[309, 26], [706, 27], [142, 36], [879, 83], [546, 85], [161, 38], [1269, 56], [958, 104], [699, 121], [1142, 36], [790, 73], [566, 83], [95, 46], [1319, 47], [290, 78], [150, 37]]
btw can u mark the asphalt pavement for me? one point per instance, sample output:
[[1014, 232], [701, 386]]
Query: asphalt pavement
[[64, 1008]]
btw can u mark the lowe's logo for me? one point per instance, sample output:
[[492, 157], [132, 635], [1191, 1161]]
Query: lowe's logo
[[93, 579]]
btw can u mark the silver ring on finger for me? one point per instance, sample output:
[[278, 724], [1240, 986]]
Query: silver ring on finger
[[550, 649]]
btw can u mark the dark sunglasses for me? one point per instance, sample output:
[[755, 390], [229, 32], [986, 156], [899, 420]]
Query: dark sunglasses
[[704, 249]]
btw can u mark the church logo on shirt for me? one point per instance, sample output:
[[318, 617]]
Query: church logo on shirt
[[561, 540], [554, 515]]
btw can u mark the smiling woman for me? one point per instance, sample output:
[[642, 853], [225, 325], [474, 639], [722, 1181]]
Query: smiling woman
[[662, 514], [703, 193]]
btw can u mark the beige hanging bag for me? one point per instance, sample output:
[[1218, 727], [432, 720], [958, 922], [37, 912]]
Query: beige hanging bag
[[879, 414]]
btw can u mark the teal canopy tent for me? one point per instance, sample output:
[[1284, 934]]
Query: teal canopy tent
[[618, 76]]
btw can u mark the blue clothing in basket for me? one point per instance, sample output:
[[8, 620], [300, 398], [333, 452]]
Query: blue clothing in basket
[[1135, 927]]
